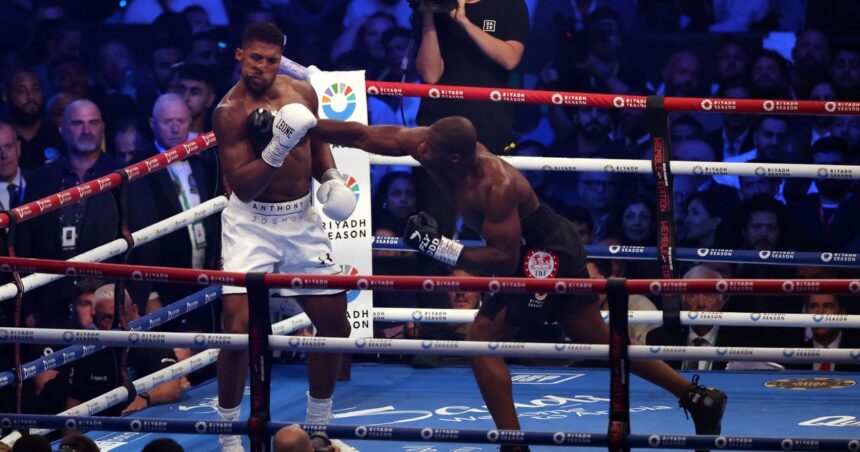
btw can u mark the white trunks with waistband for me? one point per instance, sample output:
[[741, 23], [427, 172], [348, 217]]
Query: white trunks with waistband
[[284, 237]]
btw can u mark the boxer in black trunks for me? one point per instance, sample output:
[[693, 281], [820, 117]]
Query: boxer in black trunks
[[495, 199]]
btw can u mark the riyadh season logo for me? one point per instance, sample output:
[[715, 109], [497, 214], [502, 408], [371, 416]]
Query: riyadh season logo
[[707, 104], [830, 106], [352, 183], [349, 270], [338, 102], [372, 90]]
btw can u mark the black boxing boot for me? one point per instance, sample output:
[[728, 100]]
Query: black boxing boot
[[706, 406]]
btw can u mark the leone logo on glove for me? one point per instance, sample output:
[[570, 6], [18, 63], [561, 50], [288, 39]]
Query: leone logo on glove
[[285, 128]]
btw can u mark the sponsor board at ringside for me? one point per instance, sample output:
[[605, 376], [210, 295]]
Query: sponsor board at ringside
[[351, 239]]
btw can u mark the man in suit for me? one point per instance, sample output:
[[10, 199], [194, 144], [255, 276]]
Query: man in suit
[[735, 137], [699, 335], [820, 338], [12, 181], [75, 227], [181, 186]]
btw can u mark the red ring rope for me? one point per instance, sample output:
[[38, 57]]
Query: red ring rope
[[432, 283], [574, 99]]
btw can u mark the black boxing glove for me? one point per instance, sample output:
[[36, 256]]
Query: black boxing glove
[[259, 126], [422, 234]]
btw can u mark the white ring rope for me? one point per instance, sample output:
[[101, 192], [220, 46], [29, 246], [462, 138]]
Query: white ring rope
[[756, 319], [170, 373], [119, 246], [557, 351], [601, 165], [423, 347]]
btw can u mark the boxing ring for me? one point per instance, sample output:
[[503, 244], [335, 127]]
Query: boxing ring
[[402, 408]]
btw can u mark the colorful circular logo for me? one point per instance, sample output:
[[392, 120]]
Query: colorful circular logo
[[338, 102], [352, 183]]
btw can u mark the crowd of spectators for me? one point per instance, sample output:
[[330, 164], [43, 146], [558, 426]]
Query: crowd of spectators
[[87, 89]]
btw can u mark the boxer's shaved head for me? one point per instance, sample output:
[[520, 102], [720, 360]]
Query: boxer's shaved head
[[453, 135]]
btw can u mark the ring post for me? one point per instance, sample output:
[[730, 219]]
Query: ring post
[[619, 366], [260, 358], [658, 126]]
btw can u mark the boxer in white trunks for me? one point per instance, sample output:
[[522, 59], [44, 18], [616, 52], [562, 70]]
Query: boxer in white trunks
[[270, 224]]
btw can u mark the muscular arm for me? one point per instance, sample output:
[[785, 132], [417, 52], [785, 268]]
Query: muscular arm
[[246, 174], [321, 156], [385, 140], [321, 159], [501, 230], [429, 62]]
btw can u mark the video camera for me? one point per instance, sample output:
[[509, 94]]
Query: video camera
[[433, 6]]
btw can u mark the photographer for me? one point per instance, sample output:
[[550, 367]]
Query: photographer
[[477, 43], [468, 43]]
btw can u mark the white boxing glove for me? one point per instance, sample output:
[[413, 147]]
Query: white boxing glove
[[289, 126], [338, 201]]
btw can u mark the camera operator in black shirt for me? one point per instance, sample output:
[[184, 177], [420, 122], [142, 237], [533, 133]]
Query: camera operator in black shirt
[[478, 43]]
